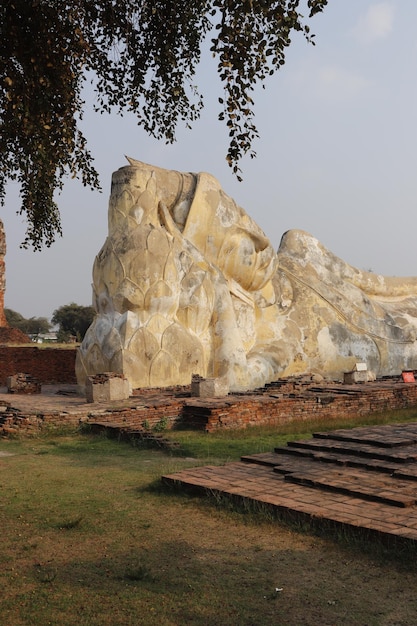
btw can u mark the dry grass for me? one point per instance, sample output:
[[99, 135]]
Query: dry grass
[[89, 539]]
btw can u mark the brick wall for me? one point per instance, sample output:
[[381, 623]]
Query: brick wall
[[287, 402], [325, 403], [48, 365], [162, 413]]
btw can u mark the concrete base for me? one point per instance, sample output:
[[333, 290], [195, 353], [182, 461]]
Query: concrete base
[[355, 377], [209, 387], [107, 387]]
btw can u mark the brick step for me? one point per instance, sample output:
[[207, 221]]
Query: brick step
[[376, 488], [401, 454], [407, 472], [97, 427], [197, 411], [131, 432], [154, 438], [115, 426], [263, 458], [195, 417], [383, 436], [353, 485], [290, 460], [340, 391]]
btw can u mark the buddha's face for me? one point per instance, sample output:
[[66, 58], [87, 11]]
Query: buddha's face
[[247, 260], [138, 189]]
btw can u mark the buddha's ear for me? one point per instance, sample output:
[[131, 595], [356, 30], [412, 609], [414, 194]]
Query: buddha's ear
[[166, 219]]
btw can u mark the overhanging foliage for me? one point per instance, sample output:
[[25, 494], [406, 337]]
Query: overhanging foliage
[[144, 55]]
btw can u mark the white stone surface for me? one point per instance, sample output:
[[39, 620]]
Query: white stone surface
[[105, 391], [187, 283], [209, 387]]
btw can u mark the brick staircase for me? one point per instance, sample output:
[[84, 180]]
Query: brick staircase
[[364, 478], [133, 434]]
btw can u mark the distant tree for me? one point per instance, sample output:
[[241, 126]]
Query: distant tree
[[73, 320], [37, 326], [31, 326], [14, 319], [142, 57]]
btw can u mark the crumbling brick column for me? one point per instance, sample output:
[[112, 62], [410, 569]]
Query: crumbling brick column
[[3, 321]]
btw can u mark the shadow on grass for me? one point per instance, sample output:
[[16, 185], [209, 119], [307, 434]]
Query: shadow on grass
[[384, 548], [156, 569]]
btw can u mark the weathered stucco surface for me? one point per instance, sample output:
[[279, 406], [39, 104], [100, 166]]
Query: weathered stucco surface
[[187, 283]]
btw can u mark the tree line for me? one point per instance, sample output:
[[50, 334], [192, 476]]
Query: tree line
[[72, 320]]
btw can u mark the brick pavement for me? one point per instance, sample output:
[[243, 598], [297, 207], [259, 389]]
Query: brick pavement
[[60, 397], [363, 478]]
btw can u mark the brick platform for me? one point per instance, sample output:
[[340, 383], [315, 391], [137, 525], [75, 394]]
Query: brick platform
[[281, 402], [363, 478]]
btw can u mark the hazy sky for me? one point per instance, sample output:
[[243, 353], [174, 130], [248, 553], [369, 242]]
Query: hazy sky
[[336, 157]]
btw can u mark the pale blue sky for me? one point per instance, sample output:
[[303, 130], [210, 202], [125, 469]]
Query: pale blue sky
[[336, 157]]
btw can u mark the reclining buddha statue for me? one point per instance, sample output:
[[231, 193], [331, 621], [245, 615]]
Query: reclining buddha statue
[[187, 283]]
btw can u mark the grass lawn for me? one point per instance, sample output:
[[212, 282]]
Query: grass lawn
[[88, 537]]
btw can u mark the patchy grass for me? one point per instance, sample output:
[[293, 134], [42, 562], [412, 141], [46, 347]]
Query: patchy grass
[[88, 540], [230, 445]]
